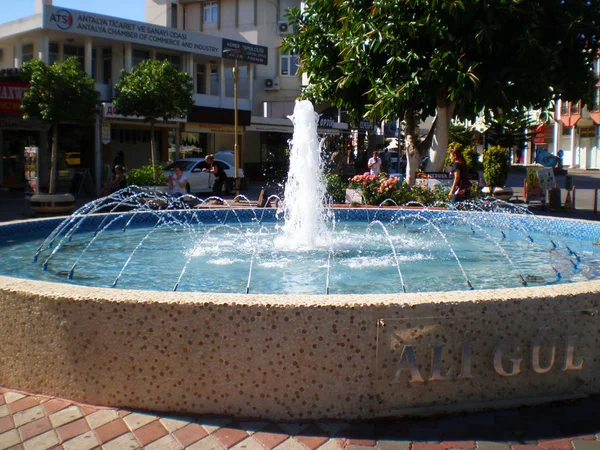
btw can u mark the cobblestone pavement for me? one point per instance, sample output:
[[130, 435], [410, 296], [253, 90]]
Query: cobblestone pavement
[[29, 421]]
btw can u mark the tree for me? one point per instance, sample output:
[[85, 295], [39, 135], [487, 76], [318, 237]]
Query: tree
[[156, 91], [416, 58], [57, 94]]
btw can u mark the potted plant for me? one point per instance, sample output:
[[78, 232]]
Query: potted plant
[[149, 176], [496, 166]]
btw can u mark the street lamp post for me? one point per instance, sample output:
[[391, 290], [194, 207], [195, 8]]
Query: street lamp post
[[236, 52], [235, 131]]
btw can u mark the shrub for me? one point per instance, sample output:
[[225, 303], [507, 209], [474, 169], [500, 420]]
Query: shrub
[[375, 188], [336, 188], [147, 176], [496, 166]]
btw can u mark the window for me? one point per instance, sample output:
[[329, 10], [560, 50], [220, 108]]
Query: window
[[564, 108], [139, 56], [27, 52], [200, 79], [107, 65], [587, 132], [215, 87], [173, 15], [72, 50], [211, 12], [575, 108], [52, 53], [596, 99], [289, 64], [175, 60]]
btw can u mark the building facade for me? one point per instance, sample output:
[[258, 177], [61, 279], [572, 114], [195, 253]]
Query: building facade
[[105, 46], [276, 85]]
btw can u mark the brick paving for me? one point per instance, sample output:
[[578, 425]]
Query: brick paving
[[29, 421]]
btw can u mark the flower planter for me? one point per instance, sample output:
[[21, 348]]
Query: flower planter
[[502, 193], [52, 204]]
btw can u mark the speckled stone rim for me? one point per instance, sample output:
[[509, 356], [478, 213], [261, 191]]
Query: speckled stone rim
[[296, 357]]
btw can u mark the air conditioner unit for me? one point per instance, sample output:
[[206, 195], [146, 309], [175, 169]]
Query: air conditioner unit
[[271, 84], [284, 28]]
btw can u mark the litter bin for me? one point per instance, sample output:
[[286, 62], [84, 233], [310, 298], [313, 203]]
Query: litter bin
[[554, 198]]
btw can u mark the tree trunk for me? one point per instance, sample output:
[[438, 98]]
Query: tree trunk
[[53, 160], [413, 157], [152, 152], [439, 145]]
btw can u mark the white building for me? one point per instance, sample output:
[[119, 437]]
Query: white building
[[275, 85]]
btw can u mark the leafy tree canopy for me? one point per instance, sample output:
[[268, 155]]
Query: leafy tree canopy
[[385, 56], [155, 90], [58, 93]]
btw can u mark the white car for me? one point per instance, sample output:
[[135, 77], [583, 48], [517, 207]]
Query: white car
[[199, 181]]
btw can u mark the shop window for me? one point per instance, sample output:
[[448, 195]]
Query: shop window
[[27, 52], [139, 55], [211, 12], [288, 64], [200, 79], [566, 131], [52, 53]]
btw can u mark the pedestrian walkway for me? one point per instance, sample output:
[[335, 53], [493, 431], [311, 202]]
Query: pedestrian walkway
[[38, 422]]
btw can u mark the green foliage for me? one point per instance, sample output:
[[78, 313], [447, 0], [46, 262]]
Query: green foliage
[[461, 134], [59, 93], [336, 188], [147, 176], [496, 166], [155, 90], [385, 57]]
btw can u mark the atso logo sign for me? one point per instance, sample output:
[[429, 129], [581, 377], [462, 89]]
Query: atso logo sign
[[62, 18]]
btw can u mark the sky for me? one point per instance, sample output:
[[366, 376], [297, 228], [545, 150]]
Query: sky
[[126, 9]]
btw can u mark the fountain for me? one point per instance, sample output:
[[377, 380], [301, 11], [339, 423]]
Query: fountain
[[299, 313]]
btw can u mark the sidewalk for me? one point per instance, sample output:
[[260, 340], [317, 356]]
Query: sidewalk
[[30, 421]]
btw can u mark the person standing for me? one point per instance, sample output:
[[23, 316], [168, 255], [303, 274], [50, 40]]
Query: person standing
[[374, 164], [218, 172], [461, 186]]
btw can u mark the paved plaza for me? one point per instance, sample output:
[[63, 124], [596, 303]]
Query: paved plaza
[[29, 420]]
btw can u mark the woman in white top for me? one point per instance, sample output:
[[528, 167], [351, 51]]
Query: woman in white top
[[177, 183]]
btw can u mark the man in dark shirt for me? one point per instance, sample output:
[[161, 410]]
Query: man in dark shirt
[[218, 172]]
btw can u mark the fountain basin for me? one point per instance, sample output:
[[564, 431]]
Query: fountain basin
[[300, 357]]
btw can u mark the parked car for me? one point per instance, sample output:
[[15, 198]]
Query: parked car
[[199, 181], [73, 158]]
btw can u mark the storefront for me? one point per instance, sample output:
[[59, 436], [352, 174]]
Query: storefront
[[131, 135]]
